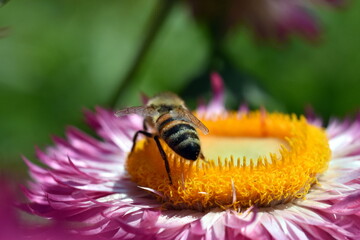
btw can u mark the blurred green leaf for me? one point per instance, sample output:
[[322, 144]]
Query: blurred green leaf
[[4, 31], [3, 2]]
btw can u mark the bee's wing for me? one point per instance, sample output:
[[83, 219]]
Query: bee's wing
[[194, 120], [141, 110]]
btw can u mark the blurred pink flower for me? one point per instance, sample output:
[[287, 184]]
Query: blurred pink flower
[[14, 226], [269, 19], [85, 182]]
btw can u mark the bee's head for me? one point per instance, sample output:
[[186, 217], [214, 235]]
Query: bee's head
[[166, 99]]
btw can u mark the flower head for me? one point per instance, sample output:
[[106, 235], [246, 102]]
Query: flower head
[[265, 175], [274, 19]]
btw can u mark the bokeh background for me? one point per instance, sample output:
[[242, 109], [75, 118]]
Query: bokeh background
[[58, 58]]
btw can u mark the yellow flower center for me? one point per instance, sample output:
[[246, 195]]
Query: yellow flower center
[[257, 159]]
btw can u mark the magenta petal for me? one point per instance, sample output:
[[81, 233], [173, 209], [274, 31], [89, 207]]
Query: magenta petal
[[311, 117], [243, 108], [347, 206], [216, 105], [196, 229], [218, 88]]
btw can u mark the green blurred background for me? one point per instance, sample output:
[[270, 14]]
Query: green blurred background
[[59, 57]]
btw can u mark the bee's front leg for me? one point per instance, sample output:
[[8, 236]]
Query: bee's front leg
[[145, 127], [147, 134]]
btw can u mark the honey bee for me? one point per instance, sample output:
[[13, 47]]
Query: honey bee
[[170, 120]]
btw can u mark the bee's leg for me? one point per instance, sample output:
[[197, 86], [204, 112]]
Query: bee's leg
[[163, 155], [145, 128], [147, 134], [202, 157]]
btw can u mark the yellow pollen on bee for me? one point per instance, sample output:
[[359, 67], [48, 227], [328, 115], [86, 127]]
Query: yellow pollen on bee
[[254, 159]]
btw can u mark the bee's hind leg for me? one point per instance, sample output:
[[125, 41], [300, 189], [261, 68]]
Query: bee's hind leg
[[202, 157], [163, 155]]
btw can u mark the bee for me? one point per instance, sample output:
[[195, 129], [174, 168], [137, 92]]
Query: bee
[[169, 119]]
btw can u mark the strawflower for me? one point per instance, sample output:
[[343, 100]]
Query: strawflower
[[264, 176], [269, 19]]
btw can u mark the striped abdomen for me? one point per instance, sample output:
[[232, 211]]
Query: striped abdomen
[[180, 136]]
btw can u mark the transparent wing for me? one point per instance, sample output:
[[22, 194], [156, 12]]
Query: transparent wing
[[194, 120], [141, 110]]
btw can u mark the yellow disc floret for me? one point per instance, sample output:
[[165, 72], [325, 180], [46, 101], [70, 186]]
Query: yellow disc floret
[[257, 159]]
